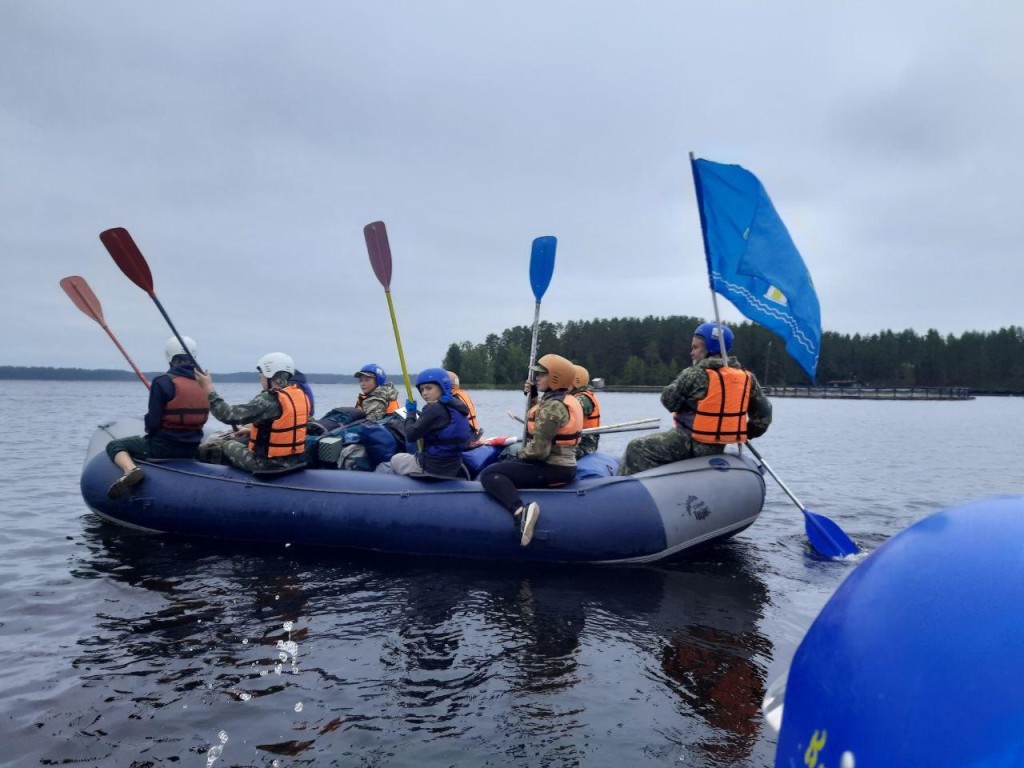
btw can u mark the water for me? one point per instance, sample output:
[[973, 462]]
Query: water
[[120, 649]]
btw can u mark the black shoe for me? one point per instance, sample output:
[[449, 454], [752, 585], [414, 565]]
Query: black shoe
[[124, 484]]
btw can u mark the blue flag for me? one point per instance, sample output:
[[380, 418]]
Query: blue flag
[[752, 260]]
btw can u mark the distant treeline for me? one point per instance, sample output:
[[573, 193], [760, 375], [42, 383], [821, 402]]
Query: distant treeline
[[652, 351]]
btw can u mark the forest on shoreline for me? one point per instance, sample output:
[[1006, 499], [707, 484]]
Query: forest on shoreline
[[652, 350]]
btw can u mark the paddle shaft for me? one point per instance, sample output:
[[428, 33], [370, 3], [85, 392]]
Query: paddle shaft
[[195, 363], [605, 426], [771, 472], [398, 343], [127, 357], [530, 378]]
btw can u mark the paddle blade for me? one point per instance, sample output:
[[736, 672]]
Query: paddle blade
[[542, 264], [81, 294], [826, 537], [380, 252], [128, 257]]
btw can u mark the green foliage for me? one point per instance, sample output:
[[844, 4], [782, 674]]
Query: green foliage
[[651, 351]]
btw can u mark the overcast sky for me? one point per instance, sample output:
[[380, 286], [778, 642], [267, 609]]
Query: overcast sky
[[246, 144]]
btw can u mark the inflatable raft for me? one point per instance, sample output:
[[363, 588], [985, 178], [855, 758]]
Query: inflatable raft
[[654, 516], [916, 658]]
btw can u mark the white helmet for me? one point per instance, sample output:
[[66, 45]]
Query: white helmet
[[173, 348], [274, 363]]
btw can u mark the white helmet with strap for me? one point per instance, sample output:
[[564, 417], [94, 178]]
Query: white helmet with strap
[[173, 348], [274, 363]]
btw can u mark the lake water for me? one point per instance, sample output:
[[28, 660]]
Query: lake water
[[121, 649]]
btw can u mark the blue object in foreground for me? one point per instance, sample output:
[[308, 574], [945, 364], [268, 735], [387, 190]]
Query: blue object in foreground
[[918, 658]]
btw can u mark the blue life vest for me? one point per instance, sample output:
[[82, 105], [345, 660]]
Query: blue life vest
[[452, 439]]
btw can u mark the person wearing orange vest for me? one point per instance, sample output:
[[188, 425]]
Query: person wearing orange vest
[[548, 458], [713, 402], [378, 397], [591, 410], [174, 421], [463, 397], [278, 415]]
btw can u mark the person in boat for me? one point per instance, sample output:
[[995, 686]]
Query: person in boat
[[378, 397], [303, 383], [443, 427], [548, 458], [583, 392], [714, 403], [278, 416], [177, 411], [458, 393]]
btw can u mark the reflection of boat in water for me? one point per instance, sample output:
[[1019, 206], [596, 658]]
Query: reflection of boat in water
[[657, 515], [916, 658], [444, 645]]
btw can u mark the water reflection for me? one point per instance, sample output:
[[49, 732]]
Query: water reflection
[[362, 659]]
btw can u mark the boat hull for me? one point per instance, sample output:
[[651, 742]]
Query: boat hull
[[654, 516]]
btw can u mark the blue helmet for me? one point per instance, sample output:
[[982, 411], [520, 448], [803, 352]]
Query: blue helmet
[[709, 332], [437, 376], [372, 369]]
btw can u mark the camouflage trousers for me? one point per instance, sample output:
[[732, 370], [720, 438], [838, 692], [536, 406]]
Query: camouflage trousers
[[239, 455], [662, 448], [588, 444]]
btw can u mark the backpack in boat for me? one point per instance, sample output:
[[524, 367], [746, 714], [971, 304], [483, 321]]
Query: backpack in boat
[[379, 442], [320, 452]]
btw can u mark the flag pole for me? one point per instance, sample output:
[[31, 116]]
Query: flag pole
[[707, 260], [824, 535]]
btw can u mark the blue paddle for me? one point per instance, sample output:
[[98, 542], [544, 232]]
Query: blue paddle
[[825, 536], [542, 266]]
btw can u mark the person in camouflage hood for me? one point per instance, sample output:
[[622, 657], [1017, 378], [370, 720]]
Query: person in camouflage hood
[[588, 401], [377, 396], [688, 399]]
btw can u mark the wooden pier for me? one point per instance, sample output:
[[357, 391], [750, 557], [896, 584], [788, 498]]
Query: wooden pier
[[872, 393]]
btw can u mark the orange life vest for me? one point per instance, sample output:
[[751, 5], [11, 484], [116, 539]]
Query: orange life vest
[[392, 405], [594, 419], [189, 409], [569, 434], [285, 435], [464, 398], [721, 417]]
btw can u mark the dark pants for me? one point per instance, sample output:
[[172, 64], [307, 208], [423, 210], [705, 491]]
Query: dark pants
[[145, 447], [503, 480]]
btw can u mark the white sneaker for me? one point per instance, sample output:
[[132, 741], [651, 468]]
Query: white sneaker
[[528, 521]]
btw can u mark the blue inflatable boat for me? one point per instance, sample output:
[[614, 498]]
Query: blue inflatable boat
[[654, 516], [916, 659]]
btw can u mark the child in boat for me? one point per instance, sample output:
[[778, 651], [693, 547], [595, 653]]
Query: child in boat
[[582, 391], [278, 415], [443, 429], [377, 396], [460, 394], [549, 457], [174, 421]]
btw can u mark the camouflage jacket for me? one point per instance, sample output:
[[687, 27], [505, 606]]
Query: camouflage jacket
[[551, 415], [375, 404], [588, 443], [263, 407], [691, 386]]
